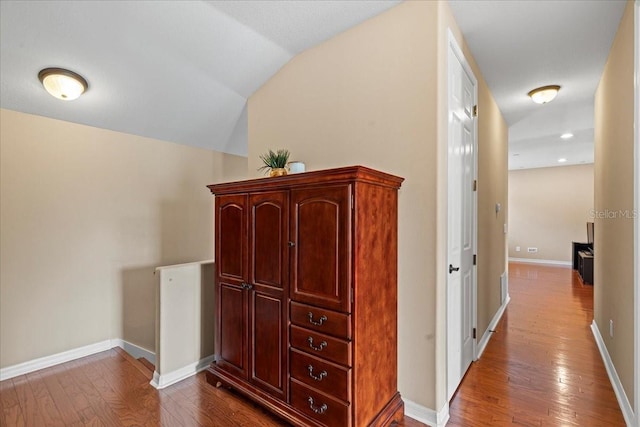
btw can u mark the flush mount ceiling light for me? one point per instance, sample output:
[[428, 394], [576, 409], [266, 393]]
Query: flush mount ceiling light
[[63, 84], [544, 94], [562, 160], [567, 135]]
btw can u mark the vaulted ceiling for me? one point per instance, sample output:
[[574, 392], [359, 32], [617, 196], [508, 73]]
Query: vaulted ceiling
[[179, 71], [182, 71]]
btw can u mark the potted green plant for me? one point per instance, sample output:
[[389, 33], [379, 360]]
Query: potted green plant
[[275, 163]]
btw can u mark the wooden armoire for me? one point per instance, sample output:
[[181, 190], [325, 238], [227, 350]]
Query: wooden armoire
[[306, 280]]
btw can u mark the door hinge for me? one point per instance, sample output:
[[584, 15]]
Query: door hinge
[[475, 258], [351, 295], [475, 111], [474, 333], [353, 200], [475, 185]]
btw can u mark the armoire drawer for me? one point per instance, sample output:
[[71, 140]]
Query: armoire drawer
[[322, 408], [321, 345], [321, 320], [321, 375]]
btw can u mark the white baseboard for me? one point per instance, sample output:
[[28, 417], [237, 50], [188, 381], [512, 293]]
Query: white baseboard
[[426, 415], [76, 353], [54, 359], [492, 327], [542, 261], [165, 380], [623, 400], [134, 350]]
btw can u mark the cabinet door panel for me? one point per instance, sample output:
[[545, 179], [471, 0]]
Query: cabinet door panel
[[231, 250], [320, 223], [269, 238], [232, 329], [268, 266], [232, 272], [269, 362]]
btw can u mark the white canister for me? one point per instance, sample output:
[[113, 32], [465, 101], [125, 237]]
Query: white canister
[[296, 167]]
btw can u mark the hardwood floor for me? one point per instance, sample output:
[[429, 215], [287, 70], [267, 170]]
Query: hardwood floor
[[541, 368], [108, 389]]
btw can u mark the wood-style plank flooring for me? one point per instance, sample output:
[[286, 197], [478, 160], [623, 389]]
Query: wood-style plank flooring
[[541, 368]]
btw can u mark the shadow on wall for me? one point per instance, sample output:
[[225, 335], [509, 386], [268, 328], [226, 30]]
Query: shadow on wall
[[139, 306], [184, 234], [186, 229]]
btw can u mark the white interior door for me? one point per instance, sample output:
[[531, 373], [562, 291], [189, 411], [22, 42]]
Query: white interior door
[[461, 303]]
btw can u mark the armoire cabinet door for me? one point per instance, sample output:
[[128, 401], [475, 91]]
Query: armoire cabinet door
[[232, 341], [268, 267], [232, 274], [320, 231]]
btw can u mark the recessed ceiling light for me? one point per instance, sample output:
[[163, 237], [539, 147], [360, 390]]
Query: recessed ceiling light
[[562, 160], [63, 84], [544, 94], [567, 135]]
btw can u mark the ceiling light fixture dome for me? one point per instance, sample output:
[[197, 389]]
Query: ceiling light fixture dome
[[544, 94], [63, 84]]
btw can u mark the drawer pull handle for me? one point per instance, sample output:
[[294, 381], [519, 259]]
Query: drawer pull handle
[[318, 377], [320, 321], [317, 409], [322, 345]]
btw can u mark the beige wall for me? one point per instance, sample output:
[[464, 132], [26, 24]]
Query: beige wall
[[86, 215], [614, 257], [370, 96], [493, 138], [548, 209]]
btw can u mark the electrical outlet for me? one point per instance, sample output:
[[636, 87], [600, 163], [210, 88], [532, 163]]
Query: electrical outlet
[[611, 328], [532, 250], [517, 248]]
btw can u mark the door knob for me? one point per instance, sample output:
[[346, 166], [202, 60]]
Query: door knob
[[452, 268]]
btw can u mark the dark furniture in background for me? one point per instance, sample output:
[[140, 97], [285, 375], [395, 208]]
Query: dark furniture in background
[[585, 266], [582, 256], [577, 247], [306, 279]]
